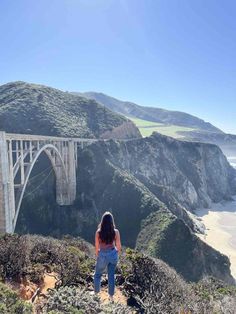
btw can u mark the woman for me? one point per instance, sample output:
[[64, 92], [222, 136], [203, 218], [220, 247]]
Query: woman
[[107, 248]]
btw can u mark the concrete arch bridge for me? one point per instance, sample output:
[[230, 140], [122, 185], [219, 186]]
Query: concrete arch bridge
[[18, 155]]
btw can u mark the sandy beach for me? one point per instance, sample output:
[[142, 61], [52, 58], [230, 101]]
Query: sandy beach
[[232, 160], [220, 223]]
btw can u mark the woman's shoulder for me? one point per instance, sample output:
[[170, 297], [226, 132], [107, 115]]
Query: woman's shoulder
[[117, 231]]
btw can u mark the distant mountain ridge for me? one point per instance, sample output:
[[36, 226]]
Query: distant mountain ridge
[[193, 129], [158, 115]]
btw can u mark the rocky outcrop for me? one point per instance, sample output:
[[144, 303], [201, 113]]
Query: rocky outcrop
[[124, 131]]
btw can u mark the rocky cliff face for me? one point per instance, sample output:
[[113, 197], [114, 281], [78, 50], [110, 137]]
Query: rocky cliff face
[[126, 130], [194, 173], [227, 142]]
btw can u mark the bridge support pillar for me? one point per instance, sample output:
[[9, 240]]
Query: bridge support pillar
[[6, 185], [61, 187], [66, 189], [72, 160]]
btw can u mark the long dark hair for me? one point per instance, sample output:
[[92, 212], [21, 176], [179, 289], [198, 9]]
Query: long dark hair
[[106, 228]]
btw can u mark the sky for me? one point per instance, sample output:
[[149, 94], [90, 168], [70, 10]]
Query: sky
[[173, 54]]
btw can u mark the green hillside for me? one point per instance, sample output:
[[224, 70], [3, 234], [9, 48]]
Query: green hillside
[[148, 127], [37, 109]]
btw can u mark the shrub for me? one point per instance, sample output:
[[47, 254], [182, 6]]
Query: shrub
[[10, 302], [77, 301], [30, 256]]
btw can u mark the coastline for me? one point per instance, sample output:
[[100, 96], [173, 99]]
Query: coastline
[[220, 232]]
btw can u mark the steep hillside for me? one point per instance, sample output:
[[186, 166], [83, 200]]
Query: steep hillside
[[36, 109], [162, 236], [150, 113]]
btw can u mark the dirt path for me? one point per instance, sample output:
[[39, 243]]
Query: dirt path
[[119, 297], [49, 282]]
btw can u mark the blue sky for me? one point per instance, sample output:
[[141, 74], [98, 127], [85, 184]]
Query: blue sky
[[174, 54]]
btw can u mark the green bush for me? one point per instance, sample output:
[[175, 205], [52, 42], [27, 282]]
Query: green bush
[[10, 302], [30, 256]]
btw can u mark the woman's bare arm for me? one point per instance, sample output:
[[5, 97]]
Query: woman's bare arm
[[118, 242], [96, 243]]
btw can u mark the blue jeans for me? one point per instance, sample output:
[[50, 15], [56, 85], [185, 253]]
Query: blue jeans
[[106, 259]]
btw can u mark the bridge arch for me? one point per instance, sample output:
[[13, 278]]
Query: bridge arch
[[18, 155], [60, 172]]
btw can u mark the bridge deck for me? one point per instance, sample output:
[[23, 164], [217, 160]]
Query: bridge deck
[[30, 137]]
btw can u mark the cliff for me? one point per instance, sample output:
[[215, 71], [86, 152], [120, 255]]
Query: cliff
[[227, 142], [195, 174], [135, 179]]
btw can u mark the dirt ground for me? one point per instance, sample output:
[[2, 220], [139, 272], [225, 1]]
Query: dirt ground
[[119, 297]]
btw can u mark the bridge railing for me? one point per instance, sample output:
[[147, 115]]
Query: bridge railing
[[30, 137]]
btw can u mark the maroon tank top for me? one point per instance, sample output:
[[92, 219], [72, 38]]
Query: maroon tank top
[[104, 245]]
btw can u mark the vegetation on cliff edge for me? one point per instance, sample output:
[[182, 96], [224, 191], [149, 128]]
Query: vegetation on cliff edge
[[150, 285]]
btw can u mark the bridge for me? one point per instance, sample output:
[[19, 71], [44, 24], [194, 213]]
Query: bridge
[[18, 155]]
